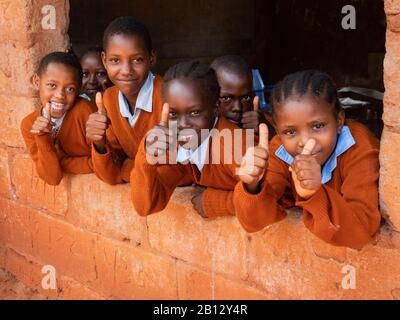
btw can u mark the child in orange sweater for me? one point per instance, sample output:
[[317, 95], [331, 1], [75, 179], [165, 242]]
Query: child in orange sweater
[[317, 162], [55, 133], [236, 95], [129, 109], [191, 94], [95, 78]]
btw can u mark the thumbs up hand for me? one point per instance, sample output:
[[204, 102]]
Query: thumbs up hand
[[306, 172], [44, 124], [251, 119], [157, 140], [255, 161], [97, 124]]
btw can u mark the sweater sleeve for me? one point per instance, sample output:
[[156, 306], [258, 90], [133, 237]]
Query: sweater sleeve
[[43, 153], [256, 211], [350, 217], [77, 165], [153, 184], [111, 167], [217, 203]]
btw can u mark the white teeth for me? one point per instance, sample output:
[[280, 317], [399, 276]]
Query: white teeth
[[185, 138], [57, 106]]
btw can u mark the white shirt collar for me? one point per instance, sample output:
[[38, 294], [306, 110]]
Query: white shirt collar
[[198, 156], [144, 101]]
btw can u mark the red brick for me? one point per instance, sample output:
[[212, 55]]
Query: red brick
[[73, 290], [15, 226], [30, 189], [106, 210], [193, 283], [5, 186], [29, 272], [69, 249], [218, 245], [226, 289], [13, 110], [133, 273], [389, 177]]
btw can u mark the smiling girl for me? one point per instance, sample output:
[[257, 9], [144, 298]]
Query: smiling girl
[[55, 133], [318, 162]]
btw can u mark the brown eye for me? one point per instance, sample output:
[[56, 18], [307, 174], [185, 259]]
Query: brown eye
[[318, 126], [246, 99], [226, 99]]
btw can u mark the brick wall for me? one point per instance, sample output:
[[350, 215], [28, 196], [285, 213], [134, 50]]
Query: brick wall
[[101, 248]]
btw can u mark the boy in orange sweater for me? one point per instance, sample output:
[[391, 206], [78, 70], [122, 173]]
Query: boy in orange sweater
[[129, 109], [191, 93], [317, 162], [55, 133], [236, 95]]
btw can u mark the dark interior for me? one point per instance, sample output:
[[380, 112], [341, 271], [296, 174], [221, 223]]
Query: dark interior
[[276, 36]]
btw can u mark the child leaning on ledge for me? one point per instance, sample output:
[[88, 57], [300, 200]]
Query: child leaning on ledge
[[55, 133], [190, 91], [318, 162], [131, 107]]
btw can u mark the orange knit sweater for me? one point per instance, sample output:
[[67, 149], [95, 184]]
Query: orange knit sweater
[[153, 185], [123, 141], [71, 138], [343, 212]]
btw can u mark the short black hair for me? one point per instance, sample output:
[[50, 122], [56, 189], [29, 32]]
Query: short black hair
[[65, 58], [232, 63], [96, 49], [311, 82], [196, 72], [130, 27]]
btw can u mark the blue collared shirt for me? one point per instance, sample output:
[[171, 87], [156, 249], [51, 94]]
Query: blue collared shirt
[[344, 143], [144, 101]]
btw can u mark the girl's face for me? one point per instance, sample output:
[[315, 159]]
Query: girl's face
[[298, 120], [193, 109], [236, 95], [128, 63], [94, 74], [58, 85]]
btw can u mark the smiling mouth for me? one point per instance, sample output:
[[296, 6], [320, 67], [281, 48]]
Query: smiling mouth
[[185, 138], [57, 107]]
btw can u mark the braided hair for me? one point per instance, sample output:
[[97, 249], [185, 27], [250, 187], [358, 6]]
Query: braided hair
[[195, 72], [308, 82]]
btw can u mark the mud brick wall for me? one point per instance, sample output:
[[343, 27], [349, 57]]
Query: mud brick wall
[[101, 249]]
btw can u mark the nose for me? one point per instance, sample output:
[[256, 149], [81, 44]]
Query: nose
[[92, 79], [127, 69], [236, 106], [183, 123], [60, 94], [302, 141]]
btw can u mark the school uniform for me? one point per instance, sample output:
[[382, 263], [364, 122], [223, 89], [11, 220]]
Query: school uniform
[[69, 133], [153, 184], [343, 212], [125, 130]]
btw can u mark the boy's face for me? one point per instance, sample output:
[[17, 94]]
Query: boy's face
[[58, 85], [128, 63], [94, 74], [192, 108], [298, 120], [236, 95]]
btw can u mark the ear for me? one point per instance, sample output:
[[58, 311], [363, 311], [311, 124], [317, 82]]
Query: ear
[[153, 58], [36, 81], [340, 121]]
